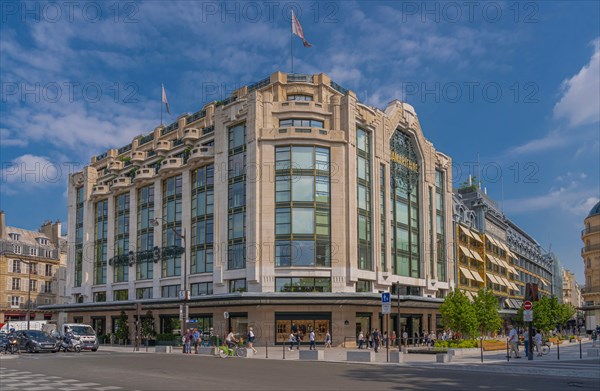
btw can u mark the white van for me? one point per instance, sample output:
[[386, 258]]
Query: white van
[[22, 325], [85, 332]]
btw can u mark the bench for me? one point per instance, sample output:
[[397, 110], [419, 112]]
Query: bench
[[163, 349]]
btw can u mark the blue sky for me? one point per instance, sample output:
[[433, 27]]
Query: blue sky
[[515, 83]]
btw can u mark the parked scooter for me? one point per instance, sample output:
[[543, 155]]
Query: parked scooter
[[69, 344]]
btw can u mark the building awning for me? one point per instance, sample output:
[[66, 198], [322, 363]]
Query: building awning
[[492, 278], [477, 256], [506, 282], [493, 241], [475, 236], [512, 255], [513, 270], [543, 282], [492, 259], [500, 280], [504, 247], [503, 263], [465, 231], [466, 251], [508, 303], [467, 273], [477, 276], [469, 294]]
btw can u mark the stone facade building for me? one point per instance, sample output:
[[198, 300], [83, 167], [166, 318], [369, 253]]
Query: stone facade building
[[291, 201], [590, 252]]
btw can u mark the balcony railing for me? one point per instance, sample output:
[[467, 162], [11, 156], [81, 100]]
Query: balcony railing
[[124, 149], [196, 116], [259, 84], [592, 247], [102, 156], [299, 78], [591, 289], [590, 230], [208, 129], [171, 128], [338, 88], [146, 139]]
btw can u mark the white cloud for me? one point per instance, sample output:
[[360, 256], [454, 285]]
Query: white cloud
[[30, 171], [580, 103]]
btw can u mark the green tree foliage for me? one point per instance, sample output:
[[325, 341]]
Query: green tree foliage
[[122, 326], [485, 305], [148, 330], [458, 314]]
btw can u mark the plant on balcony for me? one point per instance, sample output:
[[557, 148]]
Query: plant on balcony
[[475, 183], [125, 159]]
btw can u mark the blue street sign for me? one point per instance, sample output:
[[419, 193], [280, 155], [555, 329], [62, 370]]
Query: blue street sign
[[385, 297]]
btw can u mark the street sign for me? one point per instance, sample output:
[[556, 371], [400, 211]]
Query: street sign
[[528, 316], [184, 294], [386, 303], [527, 306]]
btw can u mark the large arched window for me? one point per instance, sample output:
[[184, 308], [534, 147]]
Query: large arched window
[[404, 184]]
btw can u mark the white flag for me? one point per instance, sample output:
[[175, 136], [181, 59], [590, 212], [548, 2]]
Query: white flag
[[164, 99]]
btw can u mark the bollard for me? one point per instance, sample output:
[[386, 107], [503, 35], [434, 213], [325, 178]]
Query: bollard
[[558, 348], [580, 354], [507, 352], [283, 351]]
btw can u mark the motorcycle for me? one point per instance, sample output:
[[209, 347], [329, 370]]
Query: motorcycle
[[11, 346], [70, 345]]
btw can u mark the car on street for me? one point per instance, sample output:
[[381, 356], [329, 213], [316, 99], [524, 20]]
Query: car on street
[[34, 341]]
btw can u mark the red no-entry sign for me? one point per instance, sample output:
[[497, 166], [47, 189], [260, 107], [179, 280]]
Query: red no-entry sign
[[527, 305]]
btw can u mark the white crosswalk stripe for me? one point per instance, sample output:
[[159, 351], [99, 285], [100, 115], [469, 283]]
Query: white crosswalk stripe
[[13, 380]]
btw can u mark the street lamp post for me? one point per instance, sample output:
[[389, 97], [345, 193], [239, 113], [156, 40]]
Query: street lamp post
[[183, 313]]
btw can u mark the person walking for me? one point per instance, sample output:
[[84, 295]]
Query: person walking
[[526, 342], [251, 338], [328, 340], [361, 338], [296, 334], [376, 339], [370, 337], [385, 339], [187, 342], [405, 338], [513, 340], [292, 341], [537, 340], [197, 339], [394, 342], [311, 338]]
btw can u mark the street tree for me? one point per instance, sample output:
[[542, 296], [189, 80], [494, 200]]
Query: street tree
[[485, 305], [458, 314], [122, 327], [148, 330]]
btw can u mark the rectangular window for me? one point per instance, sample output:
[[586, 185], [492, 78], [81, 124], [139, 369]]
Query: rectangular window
[[364, 199], [143, 293], [16, 284], [202, 219], [169, 290], [440, 211], [100, 242], [383, 215], [237, 286], [48, 270], [237, 198], [201, 289], [303, 284], [145, 233], [99, 297], [300, 97], [301, 123], [364, 286], [15, 300], [171, 216], [121, 227], [16, 266], [121, 295], [47, 288], [302, 195]]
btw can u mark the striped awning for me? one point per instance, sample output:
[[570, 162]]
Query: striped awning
[[465, 251], [492, 259], [465, 231], [475, 236], [477, 256], [492, 278], [477, 276], [467, 273]]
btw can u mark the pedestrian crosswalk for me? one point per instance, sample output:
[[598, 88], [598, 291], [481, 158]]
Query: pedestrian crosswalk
[[16, 380]]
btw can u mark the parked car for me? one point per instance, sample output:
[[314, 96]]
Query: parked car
[[36, 341]]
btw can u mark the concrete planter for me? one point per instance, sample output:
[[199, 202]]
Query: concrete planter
[[360, 356], [396, 357], [593, 352], [312, 355], [163, 349], [443, 358], [463, 352], [207, 351]]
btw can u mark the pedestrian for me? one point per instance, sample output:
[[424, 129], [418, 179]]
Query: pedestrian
[[513, 339], [385, 339], [187, 341], [311, 337], [405, 338], [371, 339], [361, 337], [394, 342], [251, 338], [197, 340], [537, 340], [328, 339], [292, 341], [526, 342], [376, 339]]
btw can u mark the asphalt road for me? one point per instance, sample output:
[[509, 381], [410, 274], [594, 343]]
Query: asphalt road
[[107, 371]]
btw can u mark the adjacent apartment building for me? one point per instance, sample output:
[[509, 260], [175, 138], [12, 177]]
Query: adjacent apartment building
[[590, 252], [32, 271], [290, 201], [493, 252]]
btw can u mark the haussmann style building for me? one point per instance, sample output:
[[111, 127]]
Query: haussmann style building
[[294, 202], [590, 252]]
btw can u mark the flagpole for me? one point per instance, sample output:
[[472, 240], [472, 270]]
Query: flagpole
[[292, 41]]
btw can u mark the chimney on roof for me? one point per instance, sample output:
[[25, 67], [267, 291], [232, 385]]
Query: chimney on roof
[[2, 225]]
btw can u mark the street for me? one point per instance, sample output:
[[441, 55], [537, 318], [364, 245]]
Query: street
[[106, 371]]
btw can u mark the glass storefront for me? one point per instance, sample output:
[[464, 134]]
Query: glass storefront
[[319, 322]]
